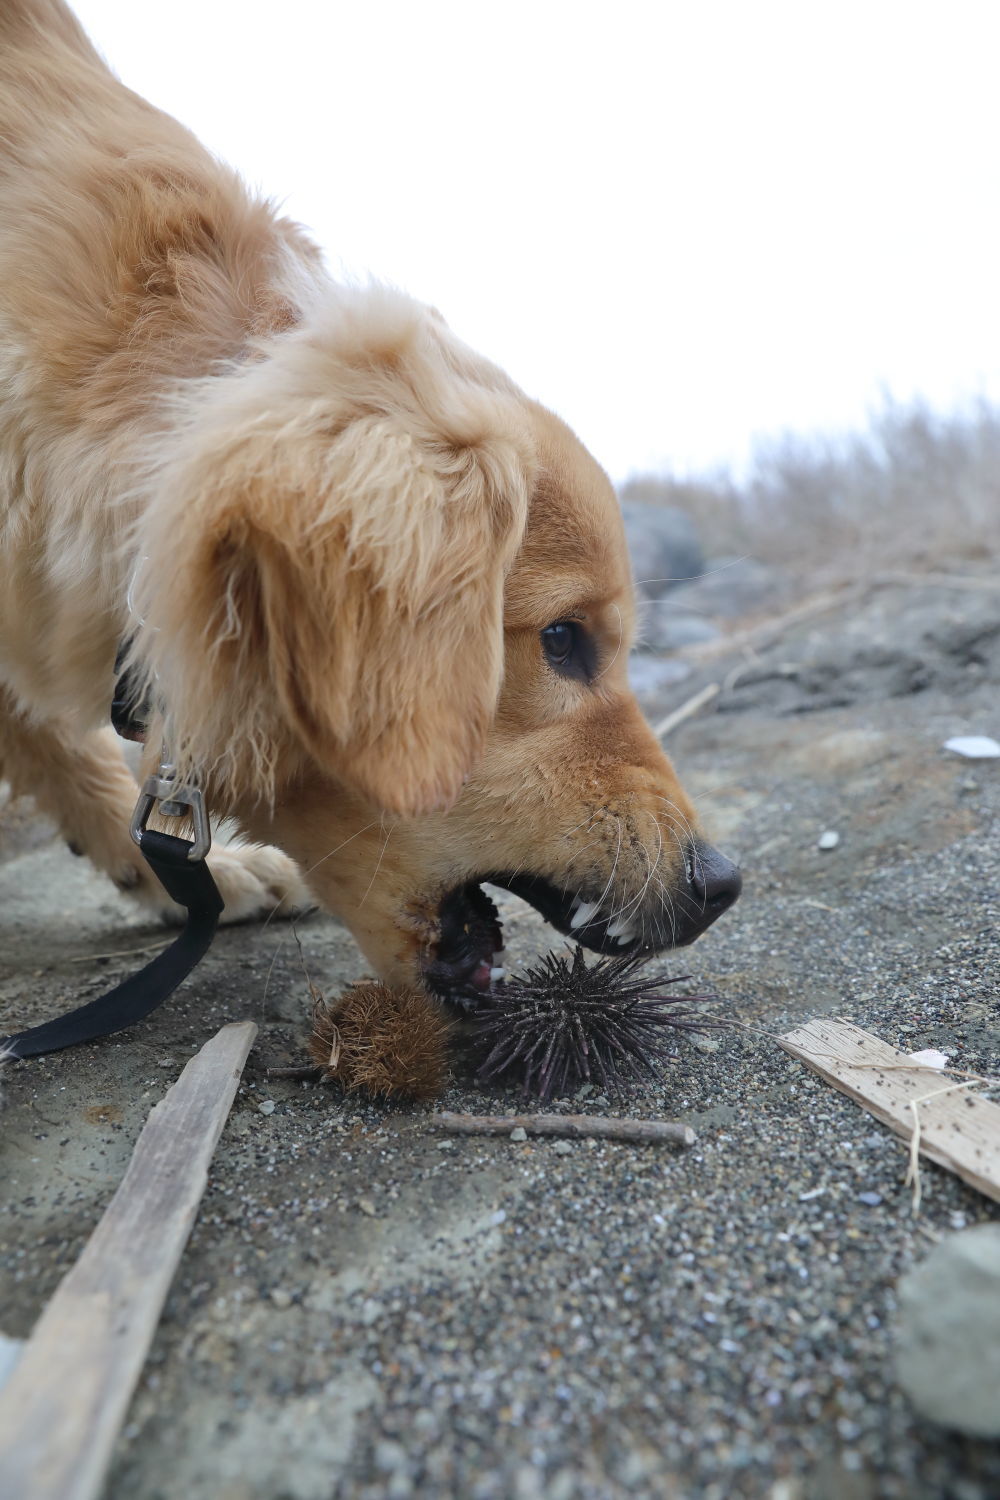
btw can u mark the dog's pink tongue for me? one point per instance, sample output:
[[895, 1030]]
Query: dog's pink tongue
[[480, 977]]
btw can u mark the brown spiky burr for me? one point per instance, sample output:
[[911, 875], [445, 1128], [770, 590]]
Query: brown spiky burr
[[390, 1043]]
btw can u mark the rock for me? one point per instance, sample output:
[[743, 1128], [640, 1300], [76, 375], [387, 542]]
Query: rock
[[665, 626], [828, 840], [948, 1334], [649, 676], [280, 1297], [266, 1107], [519, 1134], [10, 1353], [734, 586], [663, 545]]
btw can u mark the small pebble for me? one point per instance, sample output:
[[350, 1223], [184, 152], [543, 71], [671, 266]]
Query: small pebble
[[367, 1207], [562, 1148], [445, 1145], [871, 1199], [519, 1133], [828, 840], [280, 1297], [266, 1107], [974, 746], [165, 1062]]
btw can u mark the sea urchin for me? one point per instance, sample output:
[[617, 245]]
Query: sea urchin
[[564, 1022]]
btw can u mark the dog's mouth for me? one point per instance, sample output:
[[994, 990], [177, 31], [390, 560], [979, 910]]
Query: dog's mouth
[[464, 955], [467, 957]]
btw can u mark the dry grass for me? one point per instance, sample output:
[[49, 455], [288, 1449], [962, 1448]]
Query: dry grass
[[916, 488]]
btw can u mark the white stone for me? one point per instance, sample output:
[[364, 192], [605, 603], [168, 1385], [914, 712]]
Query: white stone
[[828, 840], [974, 746]]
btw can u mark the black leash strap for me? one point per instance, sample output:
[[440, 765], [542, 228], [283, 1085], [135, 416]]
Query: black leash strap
[[189, 882]]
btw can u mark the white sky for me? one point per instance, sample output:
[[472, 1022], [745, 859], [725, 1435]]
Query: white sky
[[679, 224]]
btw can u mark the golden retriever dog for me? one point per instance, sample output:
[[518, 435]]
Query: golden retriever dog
[[380, 599]]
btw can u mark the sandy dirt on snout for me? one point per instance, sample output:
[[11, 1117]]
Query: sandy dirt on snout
[[370, 1309]]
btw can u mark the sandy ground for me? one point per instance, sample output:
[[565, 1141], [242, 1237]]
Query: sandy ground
[[368, 1309]]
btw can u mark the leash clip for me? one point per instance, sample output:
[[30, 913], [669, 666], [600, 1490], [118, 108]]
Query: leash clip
[[176, 798]]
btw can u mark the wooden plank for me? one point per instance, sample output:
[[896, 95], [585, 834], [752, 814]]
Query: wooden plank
[[958, 1129], [62, 1407]]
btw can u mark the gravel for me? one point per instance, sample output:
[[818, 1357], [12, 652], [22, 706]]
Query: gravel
[[521, 1318]]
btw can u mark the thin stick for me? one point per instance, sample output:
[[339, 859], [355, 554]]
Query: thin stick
[[573, 1127], [61, 1409], [93, 958], [771, 630], [938, 580], [687, 710]]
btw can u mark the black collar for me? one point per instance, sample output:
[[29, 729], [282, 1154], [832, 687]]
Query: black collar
[[130, 710]]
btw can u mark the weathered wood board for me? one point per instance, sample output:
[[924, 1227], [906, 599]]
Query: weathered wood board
[[66, 1398], [959, 1130]]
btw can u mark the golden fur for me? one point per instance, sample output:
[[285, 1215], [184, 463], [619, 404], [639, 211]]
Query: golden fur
[[333, 533]]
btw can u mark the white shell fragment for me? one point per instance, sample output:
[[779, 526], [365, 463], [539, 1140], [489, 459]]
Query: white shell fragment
[[930, 1057], [974, 746], [828, 840]]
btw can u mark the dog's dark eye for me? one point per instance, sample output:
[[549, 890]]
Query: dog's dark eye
[[557, 642], [569, 649]]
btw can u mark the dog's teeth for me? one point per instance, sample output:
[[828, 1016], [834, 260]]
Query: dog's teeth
[[498, 973], [582, 913], [623, 931]]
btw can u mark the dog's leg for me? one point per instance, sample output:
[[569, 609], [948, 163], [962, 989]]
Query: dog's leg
[[86, 787]]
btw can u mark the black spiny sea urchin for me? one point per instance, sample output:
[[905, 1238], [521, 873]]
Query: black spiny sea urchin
[[565, 1022]]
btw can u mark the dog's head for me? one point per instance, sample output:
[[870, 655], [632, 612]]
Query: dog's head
[[396, 630]]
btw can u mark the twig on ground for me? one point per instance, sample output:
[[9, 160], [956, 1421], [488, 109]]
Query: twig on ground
[[767, 631], [687, 710], [94, 958], [938, 580], [572, 1127]]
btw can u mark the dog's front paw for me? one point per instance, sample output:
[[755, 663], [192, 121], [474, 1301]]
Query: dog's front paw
[[256, 882]]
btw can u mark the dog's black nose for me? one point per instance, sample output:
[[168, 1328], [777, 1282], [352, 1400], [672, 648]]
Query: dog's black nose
[[713, 883]]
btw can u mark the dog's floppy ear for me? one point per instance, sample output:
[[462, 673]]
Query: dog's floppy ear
[[341, 583]]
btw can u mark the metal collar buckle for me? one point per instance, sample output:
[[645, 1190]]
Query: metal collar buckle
[[176, 798]]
